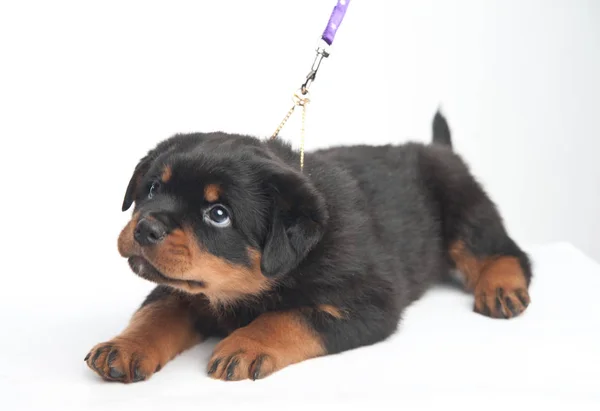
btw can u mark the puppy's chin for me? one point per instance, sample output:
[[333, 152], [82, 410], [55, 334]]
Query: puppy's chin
[[147, 271], [144, 269]]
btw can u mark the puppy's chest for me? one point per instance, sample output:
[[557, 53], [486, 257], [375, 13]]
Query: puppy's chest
[[229, 318], [229, 321]]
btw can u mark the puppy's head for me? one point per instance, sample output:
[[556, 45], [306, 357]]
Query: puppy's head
[[222, 217]]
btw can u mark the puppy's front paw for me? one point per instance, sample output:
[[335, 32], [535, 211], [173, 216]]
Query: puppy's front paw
[[501, 292], [238, 358], [123, 361], [501, 302]]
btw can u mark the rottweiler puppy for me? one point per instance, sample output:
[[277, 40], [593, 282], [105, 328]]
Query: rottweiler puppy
[[288, 264]]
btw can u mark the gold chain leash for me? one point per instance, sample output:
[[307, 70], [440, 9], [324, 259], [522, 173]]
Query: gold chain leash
[[304, 103], [285, 119], [300, 99]]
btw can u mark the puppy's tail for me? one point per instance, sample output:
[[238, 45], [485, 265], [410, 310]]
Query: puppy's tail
[[441, 131]]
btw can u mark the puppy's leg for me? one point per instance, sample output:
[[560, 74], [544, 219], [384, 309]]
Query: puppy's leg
[[498, 278], [272, 341], [277, 339], [492, 265], [162, 328]]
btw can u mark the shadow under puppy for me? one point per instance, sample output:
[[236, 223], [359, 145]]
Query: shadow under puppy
[[289, 265]]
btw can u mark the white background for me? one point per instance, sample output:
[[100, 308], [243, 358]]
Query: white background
[[87, 87]]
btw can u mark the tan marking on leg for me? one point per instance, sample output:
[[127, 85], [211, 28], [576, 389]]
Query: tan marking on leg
[[271, 342], [502, 289], [470, 266], [498, 282], [156, 333]]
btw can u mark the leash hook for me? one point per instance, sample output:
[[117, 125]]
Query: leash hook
[[322, 52]]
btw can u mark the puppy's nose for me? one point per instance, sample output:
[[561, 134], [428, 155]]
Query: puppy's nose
[[149, 232]]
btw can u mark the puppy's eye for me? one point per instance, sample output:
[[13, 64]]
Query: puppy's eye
[[218, 216], [153, 189]]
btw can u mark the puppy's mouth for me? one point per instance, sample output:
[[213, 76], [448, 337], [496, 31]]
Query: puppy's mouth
[[147, 271]]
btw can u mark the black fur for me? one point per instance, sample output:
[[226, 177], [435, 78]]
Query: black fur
[[364, 229]]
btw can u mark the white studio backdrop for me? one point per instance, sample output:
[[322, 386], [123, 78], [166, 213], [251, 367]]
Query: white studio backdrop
[[86, 88]]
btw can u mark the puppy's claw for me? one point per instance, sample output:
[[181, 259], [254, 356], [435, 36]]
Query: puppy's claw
[[112, 356], [214, 366], [231, 369], [122, 361], [137, 375], [116, 374]]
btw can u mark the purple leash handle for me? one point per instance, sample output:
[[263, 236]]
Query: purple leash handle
[[337, 15], [339, 11]]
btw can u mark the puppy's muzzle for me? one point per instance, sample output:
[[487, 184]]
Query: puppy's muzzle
[[149, 231]]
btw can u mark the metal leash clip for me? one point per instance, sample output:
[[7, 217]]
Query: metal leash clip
[[322, 52]]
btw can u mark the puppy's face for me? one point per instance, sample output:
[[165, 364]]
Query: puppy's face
[[221, 217]]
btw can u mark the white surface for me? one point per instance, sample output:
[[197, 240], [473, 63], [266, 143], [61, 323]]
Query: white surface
[[517, 79], [444, 355]]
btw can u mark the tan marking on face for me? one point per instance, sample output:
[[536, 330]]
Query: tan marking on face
[[180, 258], [126, 243], [212, 192], [166, 174], [331, 310]]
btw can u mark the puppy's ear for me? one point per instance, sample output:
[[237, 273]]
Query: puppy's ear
[[298, 220], [141, 169]]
